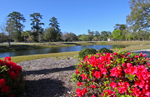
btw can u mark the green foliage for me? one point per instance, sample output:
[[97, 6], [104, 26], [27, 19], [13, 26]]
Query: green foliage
[[117, 34], [139, 16], [83, 37], [3, 37], [68, 36], [50, 34], [105, 50], [11, 79], [14, 25], [86, 51], [36, 26]]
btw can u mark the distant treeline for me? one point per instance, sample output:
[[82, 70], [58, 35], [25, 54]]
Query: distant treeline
[[137, 28]]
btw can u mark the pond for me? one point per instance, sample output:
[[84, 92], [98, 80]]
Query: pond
[[57, 50]]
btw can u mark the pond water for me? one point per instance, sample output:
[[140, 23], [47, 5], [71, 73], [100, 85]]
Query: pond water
[[57, 49]]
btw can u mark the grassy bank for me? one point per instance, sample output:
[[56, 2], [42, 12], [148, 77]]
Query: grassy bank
[[18, 59], [134, 45], [28, 46]]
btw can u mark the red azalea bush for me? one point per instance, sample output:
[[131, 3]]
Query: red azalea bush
[[113, 75], [11, 78]]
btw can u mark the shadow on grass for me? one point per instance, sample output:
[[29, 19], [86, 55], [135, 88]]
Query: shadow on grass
[[47, 71], [71, 43], [44, 88], [17, 47]]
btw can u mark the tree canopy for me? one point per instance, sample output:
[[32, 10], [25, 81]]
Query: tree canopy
[[139, 18], [36, 25], [15, 20]]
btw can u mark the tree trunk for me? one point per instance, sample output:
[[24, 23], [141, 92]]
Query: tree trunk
[[8, 42]]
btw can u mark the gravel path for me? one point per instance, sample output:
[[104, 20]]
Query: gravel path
[[49, 77]]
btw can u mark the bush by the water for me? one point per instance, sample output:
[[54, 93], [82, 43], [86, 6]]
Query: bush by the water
[[113, 75], [86, 51], [11, 78], [105, 50]]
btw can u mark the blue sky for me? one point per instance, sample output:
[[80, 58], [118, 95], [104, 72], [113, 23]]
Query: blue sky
[[75, 16]]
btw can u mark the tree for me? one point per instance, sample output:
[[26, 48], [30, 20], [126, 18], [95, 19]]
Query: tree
[[123, 28], [120, 27], [3, 37], [97, 34], [16, 19], [25, 34], [104, 35], [90, 35], [84, 37], [50, 34], [54, 23], [36, 26], [7, 29], [72, 37], [117, 34], [65, 36], [140, 14]]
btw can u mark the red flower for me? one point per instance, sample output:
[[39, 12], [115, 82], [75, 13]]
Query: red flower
[[11, 95], [8, 58], [81, 92], [2, 82], [79, 83], [93, 86], [77, 71], [12, 74], [97, 74], [5, 89]]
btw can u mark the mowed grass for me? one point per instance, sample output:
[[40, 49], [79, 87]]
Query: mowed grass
[[19, 59], [134, 45]]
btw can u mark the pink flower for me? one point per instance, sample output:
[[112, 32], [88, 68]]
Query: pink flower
[[141, 54], [83, 76], [115, 53], [113, 85], [128, 53], [8, 58], [129, 64], [93, 95], [116, 71], [144, 55]]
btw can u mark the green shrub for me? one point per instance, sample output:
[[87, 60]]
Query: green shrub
[[86, 51], [113, 75], [11, 79], [105, 50]]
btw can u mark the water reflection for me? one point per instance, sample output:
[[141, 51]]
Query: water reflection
[[56, 50]]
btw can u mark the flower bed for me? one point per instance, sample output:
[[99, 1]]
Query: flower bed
[[11, 78], [113, 75]]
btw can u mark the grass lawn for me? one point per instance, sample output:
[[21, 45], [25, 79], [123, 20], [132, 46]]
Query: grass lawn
[[134, 45]]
